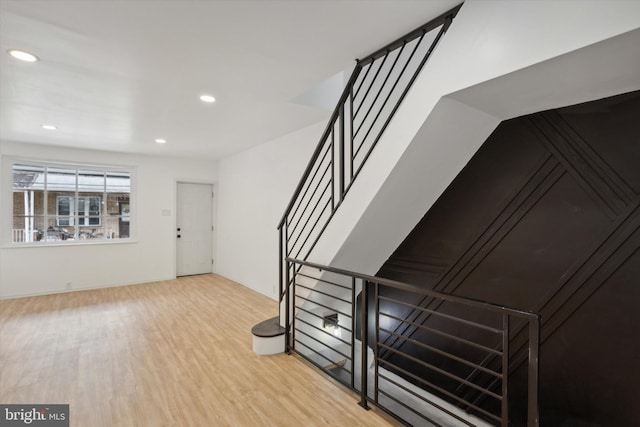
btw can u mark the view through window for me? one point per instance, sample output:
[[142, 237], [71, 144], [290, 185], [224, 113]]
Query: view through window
[[54, 203]]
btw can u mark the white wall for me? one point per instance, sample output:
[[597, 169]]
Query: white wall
[[254, 189], [149, 257]]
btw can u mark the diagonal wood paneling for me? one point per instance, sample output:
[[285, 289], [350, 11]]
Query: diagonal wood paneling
[[545, 217], [595, 176]]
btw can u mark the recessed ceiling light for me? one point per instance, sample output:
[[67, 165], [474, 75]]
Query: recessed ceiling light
[[22, 55], [207, 98], [49, 127], [161, 141]]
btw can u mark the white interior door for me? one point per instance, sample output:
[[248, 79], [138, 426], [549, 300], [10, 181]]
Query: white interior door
[[194, 231]]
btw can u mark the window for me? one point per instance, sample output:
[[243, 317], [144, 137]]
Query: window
[[54, 203], [87, 212]]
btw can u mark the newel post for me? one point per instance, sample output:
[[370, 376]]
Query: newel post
[[364, 328]]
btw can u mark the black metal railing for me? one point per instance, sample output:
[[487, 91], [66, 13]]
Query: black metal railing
[[340, 321], [373, 94]]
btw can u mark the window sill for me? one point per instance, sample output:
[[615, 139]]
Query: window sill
[[64, 243]]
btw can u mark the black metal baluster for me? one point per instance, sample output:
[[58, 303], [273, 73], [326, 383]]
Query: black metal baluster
[[333, 174], [353, 331], [287, 314], [376, 294], [351, 157], [505, 370], [341, 148], [533, 414]]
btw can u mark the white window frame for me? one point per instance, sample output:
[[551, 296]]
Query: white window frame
[[84, 220], [7, 204]]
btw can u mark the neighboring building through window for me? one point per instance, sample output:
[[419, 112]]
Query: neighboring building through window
[[56, 202], [87, 210]]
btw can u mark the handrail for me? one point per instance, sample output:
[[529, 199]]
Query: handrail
[[319, 147], [415, 289], [404, 375], [443, 19], [411, 35]]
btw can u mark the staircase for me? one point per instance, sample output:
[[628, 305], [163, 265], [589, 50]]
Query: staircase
[[377, 86], [325, 311], [373, 94]]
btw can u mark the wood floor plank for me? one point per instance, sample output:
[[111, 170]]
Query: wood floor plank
[[170, 353]]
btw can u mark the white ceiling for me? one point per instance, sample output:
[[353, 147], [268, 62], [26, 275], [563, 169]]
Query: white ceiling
[[116, 75]]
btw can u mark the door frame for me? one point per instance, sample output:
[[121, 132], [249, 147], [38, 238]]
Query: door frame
[[214, 218]]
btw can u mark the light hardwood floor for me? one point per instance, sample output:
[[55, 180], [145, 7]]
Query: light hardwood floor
[[171, 353]]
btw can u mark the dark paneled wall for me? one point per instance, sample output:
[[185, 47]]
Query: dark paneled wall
[[546, 217]]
